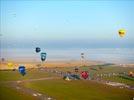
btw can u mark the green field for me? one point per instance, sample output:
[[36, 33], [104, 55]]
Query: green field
[[65, 90], [31, 74], [80, 90], [8, 93]]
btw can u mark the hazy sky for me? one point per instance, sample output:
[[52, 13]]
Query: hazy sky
[[66, 24]]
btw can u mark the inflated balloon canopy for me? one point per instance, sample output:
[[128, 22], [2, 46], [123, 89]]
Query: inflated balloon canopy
[[37, 49], [10, 64], [84, 74], [43, 56], [22, 70], [76, 69], [122, 32]]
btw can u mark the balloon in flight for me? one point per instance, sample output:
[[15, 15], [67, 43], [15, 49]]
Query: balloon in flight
[[84, 74], [43, 56], [122, 32], [76, 70], [22, 70], [10, 64], [37, 49]]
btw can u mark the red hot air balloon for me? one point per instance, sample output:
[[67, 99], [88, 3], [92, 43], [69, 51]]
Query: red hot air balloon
[[84, 74]]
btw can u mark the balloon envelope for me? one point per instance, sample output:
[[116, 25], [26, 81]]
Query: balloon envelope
[[37, 49], [22, 70], [76, 69], [10, 64], [122, 32], [43, 56], [84, 74]]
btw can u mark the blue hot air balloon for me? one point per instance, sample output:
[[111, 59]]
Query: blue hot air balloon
[[22, 70], [43, 56], [37, 49]]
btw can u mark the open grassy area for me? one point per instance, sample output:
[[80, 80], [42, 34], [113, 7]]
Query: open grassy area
[[7, 93], [30, 74], [10, 93], [80, 90], [120, 80], [66, 90]]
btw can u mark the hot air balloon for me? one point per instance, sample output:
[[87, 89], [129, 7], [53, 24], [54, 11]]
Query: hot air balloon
[[10, 65], [37, 49], [84, 74], [22, 70], [122, 32], [76, 70], [43, 56]]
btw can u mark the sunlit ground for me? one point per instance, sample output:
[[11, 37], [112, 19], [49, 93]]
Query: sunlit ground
[[60, 89]]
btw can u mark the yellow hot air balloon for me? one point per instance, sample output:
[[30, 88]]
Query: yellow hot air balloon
[[10, 64], [122, 32]]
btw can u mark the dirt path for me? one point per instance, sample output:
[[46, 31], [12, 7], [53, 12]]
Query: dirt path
[[39, 79]]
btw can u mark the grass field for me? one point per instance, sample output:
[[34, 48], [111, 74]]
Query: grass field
[[30, 74], [80, 90], [65, 90], [120, 80], [8, 93]]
